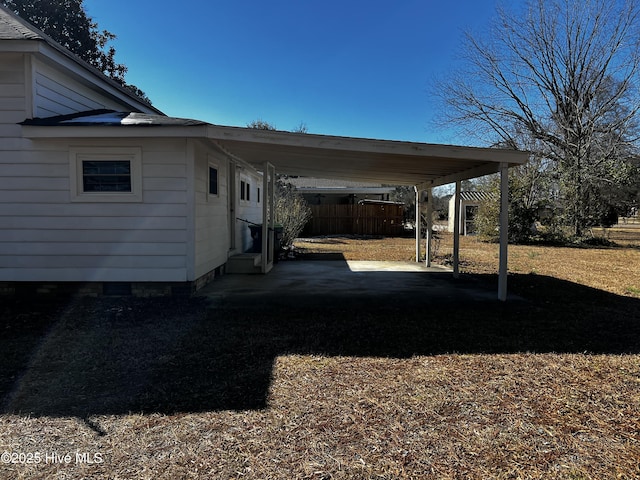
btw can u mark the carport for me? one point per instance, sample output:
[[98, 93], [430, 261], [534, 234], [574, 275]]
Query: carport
[[422, 165]]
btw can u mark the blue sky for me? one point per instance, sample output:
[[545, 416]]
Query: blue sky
[[343, 67]]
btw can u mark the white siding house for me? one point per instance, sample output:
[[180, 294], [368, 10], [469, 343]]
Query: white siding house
[[114, 200], [100, 190]]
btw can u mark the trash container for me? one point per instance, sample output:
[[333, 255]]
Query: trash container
[[278, 233], [256, 236]]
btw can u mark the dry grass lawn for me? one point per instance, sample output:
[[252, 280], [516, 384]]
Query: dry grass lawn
[[615, 270], [546, 387]]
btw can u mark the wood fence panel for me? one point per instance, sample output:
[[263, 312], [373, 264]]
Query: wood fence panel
[[366, 219]]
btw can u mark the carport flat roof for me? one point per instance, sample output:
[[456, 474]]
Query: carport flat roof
[[348, 158], [325, 156]]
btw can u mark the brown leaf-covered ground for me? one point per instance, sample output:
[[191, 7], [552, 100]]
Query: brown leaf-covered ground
[[545, 387]]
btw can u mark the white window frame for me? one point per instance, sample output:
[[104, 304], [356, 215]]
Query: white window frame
[[210, 195], [77, 155], [242, 190]]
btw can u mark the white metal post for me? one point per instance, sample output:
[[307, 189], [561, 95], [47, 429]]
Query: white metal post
[[268, 216], [429, 226], [418, 223], [456, 232], [504, 231]]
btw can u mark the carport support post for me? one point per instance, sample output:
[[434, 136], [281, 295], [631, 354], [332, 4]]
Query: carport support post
[[429, 226], [504, 231], [268, 216], [418, 223], [456, 232]]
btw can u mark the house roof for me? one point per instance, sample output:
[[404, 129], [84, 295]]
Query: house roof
[[16, 29], [312, 183], [323, 156], [13, 27], [112, 118]]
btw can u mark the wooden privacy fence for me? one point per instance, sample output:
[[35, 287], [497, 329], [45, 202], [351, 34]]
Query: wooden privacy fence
[[366, 219]]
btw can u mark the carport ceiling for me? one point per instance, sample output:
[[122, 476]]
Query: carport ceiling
[[381, 161]]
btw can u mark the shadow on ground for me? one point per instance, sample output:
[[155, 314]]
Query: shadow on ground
[[116, 356]]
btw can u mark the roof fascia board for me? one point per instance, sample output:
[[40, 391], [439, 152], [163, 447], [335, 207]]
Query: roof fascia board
[[112, 131], [364, 145], [18, 46]]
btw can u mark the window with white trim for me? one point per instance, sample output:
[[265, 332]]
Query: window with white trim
[[213, 180], [106, 174]]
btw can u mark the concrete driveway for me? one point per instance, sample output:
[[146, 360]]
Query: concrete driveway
[[322, 281]]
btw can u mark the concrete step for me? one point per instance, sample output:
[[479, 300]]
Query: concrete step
[[244, 263]]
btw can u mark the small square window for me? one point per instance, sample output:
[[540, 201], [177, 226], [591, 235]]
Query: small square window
[[213, 180], [106, 174]]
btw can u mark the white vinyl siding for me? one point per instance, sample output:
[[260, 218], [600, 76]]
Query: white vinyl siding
[[59, 94], [13, 98], [249, 209], [211, 212], [46, 237]]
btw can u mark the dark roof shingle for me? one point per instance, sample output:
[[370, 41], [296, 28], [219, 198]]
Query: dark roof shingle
[[112, 118], [13, 27]]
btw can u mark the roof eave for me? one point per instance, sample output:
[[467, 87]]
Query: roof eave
[[112, 131], [19, 46], [365, 145]]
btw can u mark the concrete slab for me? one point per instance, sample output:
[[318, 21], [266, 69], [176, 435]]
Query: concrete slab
[[321, 281]]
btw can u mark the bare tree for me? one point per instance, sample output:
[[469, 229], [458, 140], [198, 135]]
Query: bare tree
[[292, 211], [565, 72]]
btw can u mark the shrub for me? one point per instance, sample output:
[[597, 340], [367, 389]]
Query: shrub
[[291, 211]]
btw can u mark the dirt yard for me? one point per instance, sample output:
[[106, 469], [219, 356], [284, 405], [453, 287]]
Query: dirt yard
[[547, 387]]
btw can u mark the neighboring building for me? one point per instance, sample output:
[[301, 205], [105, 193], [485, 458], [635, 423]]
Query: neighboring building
[[142, 200], [327, 191], [469, 203]]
